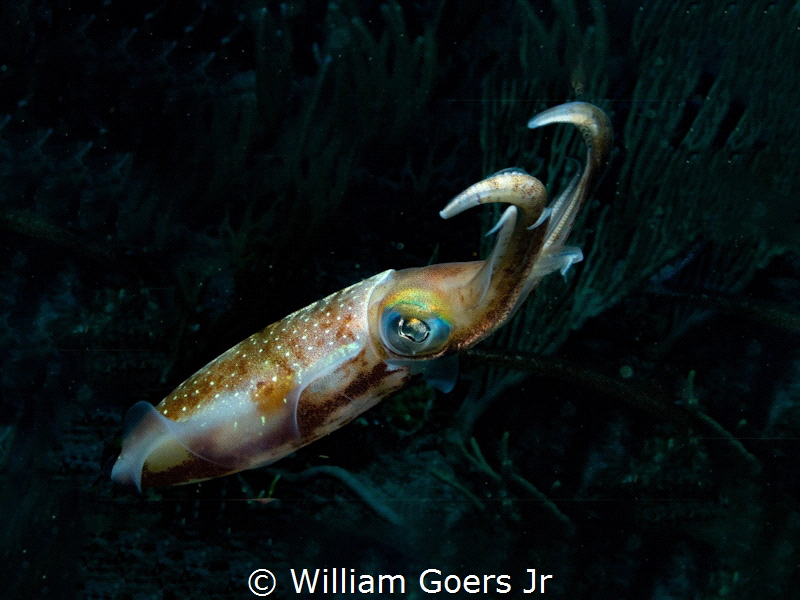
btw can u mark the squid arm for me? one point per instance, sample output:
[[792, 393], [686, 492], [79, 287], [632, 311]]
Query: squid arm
[[322, 366]]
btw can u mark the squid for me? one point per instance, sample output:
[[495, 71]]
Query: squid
[[322, 366]]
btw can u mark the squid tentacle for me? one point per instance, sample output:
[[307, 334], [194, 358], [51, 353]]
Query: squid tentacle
[[530, 235], [595, 128]]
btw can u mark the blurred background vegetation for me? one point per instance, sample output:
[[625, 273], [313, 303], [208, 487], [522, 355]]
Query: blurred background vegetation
[[176, 176]]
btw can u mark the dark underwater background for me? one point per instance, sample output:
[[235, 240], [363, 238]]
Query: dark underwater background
[[176, 175]]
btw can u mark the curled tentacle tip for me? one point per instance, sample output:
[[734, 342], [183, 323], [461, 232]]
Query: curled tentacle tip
[[591, 121], [571, 260], [542, 218], [572, 112], [509, 216], [510, 185]]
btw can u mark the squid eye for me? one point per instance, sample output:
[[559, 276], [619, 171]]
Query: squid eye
[[412, 330]]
